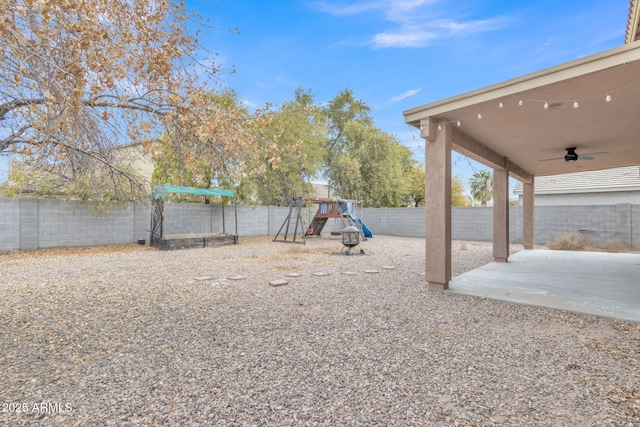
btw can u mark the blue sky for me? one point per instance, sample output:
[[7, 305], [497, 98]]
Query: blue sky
[[398, 54]]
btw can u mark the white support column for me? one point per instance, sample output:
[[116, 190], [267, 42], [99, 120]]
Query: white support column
[[528, 202], [438, 204], [501, 214]]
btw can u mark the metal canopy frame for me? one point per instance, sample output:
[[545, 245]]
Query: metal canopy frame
[[158, 197]]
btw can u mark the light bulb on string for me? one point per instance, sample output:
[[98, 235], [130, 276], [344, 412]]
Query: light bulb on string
[[521, 103], [439, 127], [575, 104], [458, 123], [479, 116], [546, 105], [608, 98], [500, 105]]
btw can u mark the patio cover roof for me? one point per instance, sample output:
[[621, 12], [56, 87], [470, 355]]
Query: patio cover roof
[[508, 123]]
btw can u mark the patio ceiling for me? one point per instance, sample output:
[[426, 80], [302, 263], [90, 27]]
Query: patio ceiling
[[528, 135]]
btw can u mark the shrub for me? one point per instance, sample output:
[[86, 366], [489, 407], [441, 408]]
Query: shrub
[[616, 245], [572, 242]]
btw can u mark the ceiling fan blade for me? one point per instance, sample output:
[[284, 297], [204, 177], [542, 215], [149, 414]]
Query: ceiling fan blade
[[599, 153], [583, 157], [557, 159]]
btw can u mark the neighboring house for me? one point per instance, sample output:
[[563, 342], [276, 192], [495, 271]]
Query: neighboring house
[[603, 187], [134, 157], [321, 190]]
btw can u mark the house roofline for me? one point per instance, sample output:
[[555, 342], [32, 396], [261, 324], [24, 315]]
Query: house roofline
[[633, 22]]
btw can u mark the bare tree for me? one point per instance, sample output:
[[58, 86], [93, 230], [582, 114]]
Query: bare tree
[[78, 78]]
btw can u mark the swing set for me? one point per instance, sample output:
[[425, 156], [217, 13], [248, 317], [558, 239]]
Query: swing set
[[342, 211]]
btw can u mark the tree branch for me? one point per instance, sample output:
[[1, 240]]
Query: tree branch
[[127, 104]]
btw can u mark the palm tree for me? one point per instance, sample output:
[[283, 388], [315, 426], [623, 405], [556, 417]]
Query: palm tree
[[482, 186]]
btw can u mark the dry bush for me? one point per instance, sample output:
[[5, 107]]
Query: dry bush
[[572, 242], [616, 245]]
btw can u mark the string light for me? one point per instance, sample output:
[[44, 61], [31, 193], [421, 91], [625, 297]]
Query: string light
[[553, 104]]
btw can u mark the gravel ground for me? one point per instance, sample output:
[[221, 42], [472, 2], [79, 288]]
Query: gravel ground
[[132, 336]]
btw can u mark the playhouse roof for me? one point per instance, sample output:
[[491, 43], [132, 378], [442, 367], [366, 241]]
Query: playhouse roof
[[160, 191]]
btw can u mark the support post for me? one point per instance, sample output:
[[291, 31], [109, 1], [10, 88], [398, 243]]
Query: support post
[[501, 214], [528, 229], [235, 213], [438, 205], [224, 229]]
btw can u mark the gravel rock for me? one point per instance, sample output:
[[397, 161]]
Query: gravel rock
[[132, 336]]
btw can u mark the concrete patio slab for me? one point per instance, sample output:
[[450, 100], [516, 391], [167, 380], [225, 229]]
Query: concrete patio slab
[[602, 284]]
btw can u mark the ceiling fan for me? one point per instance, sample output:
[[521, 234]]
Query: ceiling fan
[[572, 156]]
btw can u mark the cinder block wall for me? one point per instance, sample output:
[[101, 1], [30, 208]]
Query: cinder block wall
[[183, 218], [277, 216], [69, 224], [405, 222], [472, 224], [597, 222], [252, 218], [635, 226], [27, 224], [9, 224]]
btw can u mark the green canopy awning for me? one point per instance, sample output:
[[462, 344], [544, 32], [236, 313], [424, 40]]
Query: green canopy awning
[[160, 191]]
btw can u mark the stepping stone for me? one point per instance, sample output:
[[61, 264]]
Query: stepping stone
[[293, 274], [389, 267], [278, 282], [320, 273], [237, 277], [349, 273], [371, 271], [202, 278]]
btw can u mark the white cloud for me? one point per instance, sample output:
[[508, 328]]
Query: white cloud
[[404, 95], [418, 35], [400, 39], [415, 23], [348, 9], [285, 82], [368, 6]]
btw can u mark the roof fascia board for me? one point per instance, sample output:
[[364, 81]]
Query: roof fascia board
[[633, 22], [583, 66]]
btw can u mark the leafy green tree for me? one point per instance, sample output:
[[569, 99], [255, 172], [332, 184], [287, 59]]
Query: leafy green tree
[[457, 192], [373, 168], [343, 109], [364, 162], [295, 139], [416, 187], [482, 186]]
